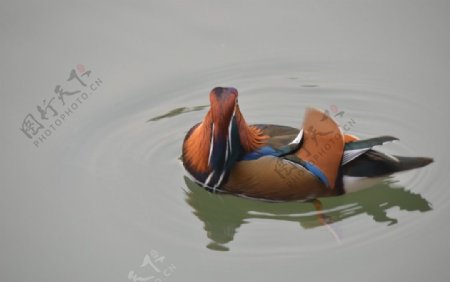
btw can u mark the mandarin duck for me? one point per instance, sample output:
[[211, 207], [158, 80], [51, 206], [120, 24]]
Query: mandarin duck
[[273, 162]]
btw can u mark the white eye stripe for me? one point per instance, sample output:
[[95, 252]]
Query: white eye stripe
[[211, 145], [219, 182], [230, 126], [210, 176], [226, 156], [228, 151]]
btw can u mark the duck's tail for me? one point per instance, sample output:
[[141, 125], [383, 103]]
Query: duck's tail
[[373, 167], [361, 160], [362, 167], [374, 163], [406, 163]]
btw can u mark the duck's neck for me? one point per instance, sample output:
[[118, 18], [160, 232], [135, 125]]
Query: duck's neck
[[209, 153]]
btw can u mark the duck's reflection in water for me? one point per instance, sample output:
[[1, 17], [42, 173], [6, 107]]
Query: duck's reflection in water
[[222, 214]]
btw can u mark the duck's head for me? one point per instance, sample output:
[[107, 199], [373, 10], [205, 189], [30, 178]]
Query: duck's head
[[211, 148]]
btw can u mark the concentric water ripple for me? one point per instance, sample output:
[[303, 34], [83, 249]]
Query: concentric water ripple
[[137, 159]]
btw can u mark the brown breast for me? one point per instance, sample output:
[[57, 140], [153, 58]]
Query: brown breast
[[274, 179]]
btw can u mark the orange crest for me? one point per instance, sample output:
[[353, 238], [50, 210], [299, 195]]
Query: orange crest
[[251, 137], [196, 146]]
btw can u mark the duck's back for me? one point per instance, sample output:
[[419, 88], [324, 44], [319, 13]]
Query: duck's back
[[273, 177]]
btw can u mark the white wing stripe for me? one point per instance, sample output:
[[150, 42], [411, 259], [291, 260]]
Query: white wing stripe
[[298, 138], [350, 155]]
